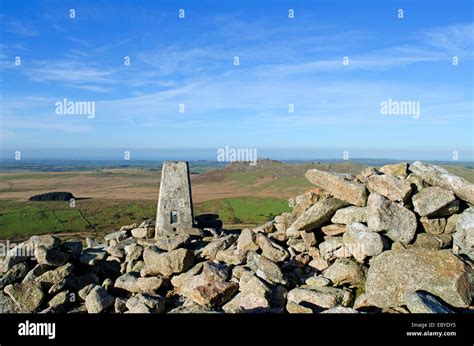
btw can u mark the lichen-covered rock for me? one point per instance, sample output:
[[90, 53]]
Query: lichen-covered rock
[[346, 272], [438, 176], [98, 300], [167, 263], [146, 303], [315, 216], [28, 296], [50, 256], [361, 242], [318, 299], [265, 268], [271, 249], [214, 293], [398, 222], [349, 215], [463, 238], [394, 189], [246, 241], [420, 302], [170, 243], [210, 250], [338, 186], [15, 274], [435, 201], [399, 169], [394, 272]]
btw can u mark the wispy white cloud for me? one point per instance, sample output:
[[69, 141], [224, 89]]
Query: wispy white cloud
[[70, 72], [19, 28], [457, 39]]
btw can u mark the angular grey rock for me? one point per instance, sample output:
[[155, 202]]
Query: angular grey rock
[[333, 230], [315, 300], [247, 302], [339, 187], [329, 247], [15, 274], [394, 272], [98, 300], [361, 242], [383, 215], [317, 281], [19, 253], [349, 215], [143, 232], [420, 302], [246, 241], [55, 280], [463, 238], [83, 292], [192, 309], [210, 250], [389, 186], [265, 269], [146, 303], [46, 241], [93, 255], [346, 271], [170, 243], [128, 282], [318, 299], [318, 263], [399, 169], [433, 201], [120, 305], [60, 299], [214, 293], [433, 226], [34, 273], [118, 236], [231, 256], [7, 305], [433, 241], [315, 216], [301, 203], [167, 263], [133, 252], [272, 250], [151, 284], [72, 247], [28, 296], [438, 176], [50, 256]]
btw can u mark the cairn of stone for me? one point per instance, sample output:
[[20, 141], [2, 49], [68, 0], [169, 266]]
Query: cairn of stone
[[399, 239]]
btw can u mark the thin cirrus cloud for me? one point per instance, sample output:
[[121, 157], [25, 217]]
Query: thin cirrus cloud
[[19, 28]]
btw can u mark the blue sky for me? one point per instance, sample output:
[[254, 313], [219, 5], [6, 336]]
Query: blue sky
[[282, 61]]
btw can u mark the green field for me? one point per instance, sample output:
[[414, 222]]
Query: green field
[[244, 209], [24, 218]]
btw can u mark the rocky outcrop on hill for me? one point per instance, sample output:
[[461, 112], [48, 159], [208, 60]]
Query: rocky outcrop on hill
[[395, 239], [52, 196]]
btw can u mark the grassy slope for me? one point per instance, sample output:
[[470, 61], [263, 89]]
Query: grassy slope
[[22, 218]]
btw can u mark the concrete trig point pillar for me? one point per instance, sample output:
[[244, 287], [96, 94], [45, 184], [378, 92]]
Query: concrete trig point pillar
[[175, 205]]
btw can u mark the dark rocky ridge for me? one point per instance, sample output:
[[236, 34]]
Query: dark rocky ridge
[[52, 196]]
